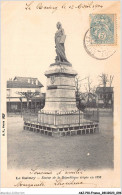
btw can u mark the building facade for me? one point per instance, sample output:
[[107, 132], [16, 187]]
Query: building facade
[[16, 90], [105, 96]]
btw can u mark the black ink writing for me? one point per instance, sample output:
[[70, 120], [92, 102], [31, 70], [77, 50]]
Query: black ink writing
[[53, 8], [3, 124]]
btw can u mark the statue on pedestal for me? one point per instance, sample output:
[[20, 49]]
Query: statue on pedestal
[[59, 44]]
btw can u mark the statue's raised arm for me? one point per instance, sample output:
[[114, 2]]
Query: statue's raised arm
[[59, 44]]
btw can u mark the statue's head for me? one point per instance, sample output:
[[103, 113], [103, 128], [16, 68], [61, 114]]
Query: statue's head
[[58, 25]]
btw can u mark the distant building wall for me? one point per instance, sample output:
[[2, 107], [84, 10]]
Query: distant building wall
[[17, 102], [12, 92]]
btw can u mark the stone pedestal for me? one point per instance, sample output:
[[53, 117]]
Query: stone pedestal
[[60, 94], [60, 104]]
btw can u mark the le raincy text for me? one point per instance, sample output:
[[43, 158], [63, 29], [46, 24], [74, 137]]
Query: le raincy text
[[40, 6]]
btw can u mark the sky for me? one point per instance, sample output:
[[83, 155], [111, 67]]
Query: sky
[[28, 46]]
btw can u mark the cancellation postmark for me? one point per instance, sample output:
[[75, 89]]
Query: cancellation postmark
[[100, 39]]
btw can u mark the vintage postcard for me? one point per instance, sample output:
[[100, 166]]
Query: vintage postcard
[[60, 94]]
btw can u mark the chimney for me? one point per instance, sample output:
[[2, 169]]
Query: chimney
[[36, 81]]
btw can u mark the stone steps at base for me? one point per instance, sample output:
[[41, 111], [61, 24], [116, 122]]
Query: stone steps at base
[[59, 132], [56, 134]]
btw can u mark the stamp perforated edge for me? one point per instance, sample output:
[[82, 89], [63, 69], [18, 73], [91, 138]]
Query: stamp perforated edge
[[115, 29]]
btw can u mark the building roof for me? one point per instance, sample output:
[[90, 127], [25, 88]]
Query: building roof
[[104, 90], [24, 82]]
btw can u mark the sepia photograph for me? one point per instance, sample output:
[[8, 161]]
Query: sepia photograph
[[60, 93]]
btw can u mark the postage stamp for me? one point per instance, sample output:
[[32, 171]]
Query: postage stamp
[[103, 29]]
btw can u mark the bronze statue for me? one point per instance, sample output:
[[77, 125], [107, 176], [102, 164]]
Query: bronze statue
[[59, 44]]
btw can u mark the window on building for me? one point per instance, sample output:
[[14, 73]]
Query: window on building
[[101, 96], [36, 90], [14, 107], [109, 96], [105, 96], [8, 92]]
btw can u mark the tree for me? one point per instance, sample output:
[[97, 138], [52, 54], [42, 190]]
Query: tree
[[105, 79], [111, 80], [80, 100], [78, 84], [28, 96], [90, 92]]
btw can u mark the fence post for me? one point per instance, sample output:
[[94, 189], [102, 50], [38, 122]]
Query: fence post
[[40, 117], [44, 114], [79, 118], [21, 108], [97, 114], [55, 117], [37, 116]]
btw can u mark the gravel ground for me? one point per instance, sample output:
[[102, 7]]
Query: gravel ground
[[27, 149]]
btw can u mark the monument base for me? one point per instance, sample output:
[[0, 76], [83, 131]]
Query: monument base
[[64, 130], [61, 124]]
